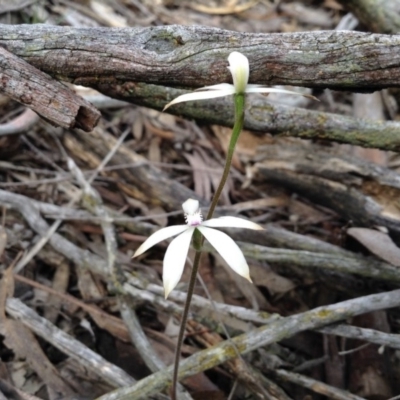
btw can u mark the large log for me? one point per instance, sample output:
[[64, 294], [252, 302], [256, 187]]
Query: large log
[[195, 55]]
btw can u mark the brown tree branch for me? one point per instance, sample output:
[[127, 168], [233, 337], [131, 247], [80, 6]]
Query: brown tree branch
[[44, 95], [183, 55], [115, 61]]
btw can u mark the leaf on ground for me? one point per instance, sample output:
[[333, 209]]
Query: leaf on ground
[[246, 146], [3, 240], [377, 243], [91, 289], [232, 8], [25, 346], [276, 284], [6, 290], [60, 284], [247, 289]]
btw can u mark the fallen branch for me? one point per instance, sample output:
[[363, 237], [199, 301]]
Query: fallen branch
[[112, 374], [51, 99], [263, 116], [263, 336], [184, 55]]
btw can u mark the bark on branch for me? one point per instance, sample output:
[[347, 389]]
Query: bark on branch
[[262, 336], [263, 116], [49, 98], [181, 55]]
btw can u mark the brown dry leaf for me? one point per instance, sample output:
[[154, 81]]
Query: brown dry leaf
[[154, 153], [3, 240], [378, 243], [246, 288], [160, 217], [206, 175], [212, 169], [201, 179], [260, 204], [107, 14], [333, 4], [246, 146], [60, 283], [137, 126], [91, 289], [276, 284], [386, 196], [6, 290], [24, 344], [162, 133], [231, 8]]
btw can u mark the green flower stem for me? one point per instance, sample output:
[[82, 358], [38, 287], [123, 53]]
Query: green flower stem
[[197, 240], [237, 128], [197, 237]]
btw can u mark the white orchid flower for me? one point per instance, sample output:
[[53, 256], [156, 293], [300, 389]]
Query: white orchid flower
[[239, 67], [175, 256]]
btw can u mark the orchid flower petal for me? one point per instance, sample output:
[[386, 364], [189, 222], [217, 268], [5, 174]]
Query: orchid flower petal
[[159, 236], [220, 86], [231, 222], [209, 94], [239, 67], [260, 89], [228, 250], [174, 260]]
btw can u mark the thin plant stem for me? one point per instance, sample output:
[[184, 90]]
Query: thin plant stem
[[182, 327], [237, 128]]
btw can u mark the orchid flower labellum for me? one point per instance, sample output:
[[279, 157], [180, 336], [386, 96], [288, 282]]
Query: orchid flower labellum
[[239, 67], [175, 256]]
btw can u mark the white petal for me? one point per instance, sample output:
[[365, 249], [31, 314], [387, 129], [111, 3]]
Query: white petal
[[239, 67], [228, 249], [159, 236], [220, 86], [261, 89], [174, 260], [210, 94], [232, 222]]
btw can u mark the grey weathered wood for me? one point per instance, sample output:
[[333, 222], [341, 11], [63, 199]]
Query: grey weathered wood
[[361, 192], [51, 99], [256, 338], [194, 55], [263, 116], [110, 373]]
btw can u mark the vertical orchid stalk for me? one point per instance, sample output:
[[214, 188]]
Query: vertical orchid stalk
[[196, 229], [239, 68]]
